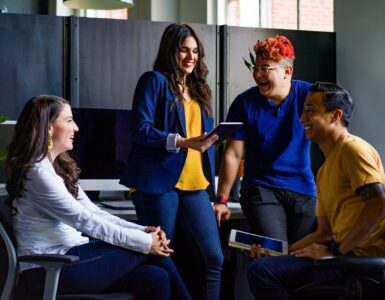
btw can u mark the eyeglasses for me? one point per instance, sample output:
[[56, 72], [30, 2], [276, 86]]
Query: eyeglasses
[[265, 69]]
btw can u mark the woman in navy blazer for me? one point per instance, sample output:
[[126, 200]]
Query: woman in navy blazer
[[171, 166]]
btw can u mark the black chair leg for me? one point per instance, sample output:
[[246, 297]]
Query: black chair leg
[[353, 289]]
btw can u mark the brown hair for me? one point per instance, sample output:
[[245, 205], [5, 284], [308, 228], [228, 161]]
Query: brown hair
[[167, 63], [30, 145]]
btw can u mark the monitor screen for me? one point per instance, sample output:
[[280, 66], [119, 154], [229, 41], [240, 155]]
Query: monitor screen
[[101, 145]]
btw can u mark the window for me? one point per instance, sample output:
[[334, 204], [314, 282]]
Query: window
[[314, 15], [243, 13], [281, 13]]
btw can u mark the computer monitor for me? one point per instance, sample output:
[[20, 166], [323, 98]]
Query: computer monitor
[[101, 147]]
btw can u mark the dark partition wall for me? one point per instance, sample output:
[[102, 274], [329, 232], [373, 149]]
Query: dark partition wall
[[112, 54], [209, 35], [31, 59], [315, 57]]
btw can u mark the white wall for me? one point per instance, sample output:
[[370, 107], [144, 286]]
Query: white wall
[[164, 10], [154, 10], [196, 11], [360, 28]]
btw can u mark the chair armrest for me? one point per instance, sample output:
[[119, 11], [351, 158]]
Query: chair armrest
[[52, 263], [60, 258], [352, 263]]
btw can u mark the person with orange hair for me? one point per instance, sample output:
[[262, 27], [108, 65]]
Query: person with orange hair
[[278, 194]]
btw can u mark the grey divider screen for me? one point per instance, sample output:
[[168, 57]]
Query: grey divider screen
[[31, 59], [114, 53], [209, 36]]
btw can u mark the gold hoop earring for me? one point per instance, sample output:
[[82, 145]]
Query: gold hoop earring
[[50, 141]]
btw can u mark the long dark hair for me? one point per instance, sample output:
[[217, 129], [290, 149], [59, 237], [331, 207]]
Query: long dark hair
[[167, 63], [30, 145]]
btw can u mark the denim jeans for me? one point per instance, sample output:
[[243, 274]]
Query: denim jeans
[[280, 214], [276, 277], [104, 268], [193, 213]]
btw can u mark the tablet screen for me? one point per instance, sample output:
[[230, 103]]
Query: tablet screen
[[224, 130], [266, 243]]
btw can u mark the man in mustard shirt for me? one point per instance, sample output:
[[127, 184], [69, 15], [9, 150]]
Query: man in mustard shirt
[[351, 200]]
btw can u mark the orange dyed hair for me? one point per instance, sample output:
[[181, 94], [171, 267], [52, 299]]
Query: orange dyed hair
[[275, 49]]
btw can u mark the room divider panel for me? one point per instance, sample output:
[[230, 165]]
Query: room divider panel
[[31, 59], [112, 54]]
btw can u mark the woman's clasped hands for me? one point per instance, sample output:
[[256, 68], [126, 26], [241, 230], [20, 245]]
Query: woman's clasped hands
[[160, 242]]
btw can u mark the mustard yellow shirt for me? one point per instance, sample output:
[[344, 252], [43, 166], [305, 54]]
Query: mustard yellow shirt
[[351, 164], [192, 177]]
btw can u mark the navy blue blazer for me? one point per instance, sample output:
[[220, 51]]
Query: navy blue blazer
[[150, 167]]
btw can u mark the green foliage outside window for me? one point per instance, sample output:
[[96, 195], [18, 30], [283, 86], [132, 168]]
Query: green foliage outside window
[[3, 152]]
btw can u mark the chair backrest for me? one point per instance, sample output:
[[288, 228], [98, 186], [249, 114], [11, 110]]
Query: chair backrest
[[6, 217], [8, 257]]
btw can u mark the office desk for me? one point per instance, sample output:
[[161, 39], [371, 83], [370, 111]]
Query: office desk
[[121, 208], [125, 209]]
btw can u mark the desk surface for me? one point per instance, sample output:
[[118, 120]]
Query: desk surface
[[126, 210]]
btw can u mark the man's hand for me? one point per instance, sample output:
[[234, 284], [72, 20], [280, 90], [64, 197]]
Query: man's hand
[[256, 251], [222, 212], [314, 251]]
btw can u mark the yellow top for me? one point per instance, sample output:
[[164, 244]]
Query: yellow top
[[351, 164], [192, 177]]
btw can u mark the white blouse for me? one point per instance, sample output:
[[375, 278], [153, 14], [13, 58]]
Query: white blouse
[[50, 220]]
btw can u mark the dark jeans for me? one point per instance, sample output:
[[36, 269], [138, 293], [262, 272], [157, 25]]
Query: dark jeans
[[279, 214], [275, 277], [104, 268], [193, 213]]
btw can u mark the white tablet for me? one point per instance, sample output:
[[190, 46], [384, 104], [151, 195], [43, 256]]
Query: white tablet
[[244, 240], [224, 130]]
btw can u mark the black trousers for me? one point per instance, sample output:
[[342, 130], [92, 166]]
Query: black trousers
[[280, 214]]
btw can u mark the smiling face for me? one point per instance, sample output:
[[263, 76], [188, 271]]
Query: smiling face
[[63, 130], [188, 55], [318, 123], [275, 83]]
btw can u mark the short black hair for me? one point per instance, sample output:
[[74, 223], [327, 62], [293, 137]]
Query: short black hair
[[335, 97]]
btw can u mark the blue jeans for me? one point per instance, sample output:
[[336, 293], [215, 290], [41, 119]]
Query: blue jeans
[[280, 214], [104, 268], [276, 277], [193, 213]]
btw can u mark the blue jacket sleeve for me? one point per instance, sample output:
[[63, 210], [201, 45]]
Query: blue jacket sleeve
[[150, 93]]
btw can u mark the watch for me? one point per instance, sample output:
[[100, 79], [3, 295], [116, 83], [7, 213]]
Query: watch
[[221, 200]]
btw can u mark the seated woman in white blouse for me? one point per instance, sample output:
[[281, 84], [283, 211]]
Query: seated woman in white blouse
[[52, 213]]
